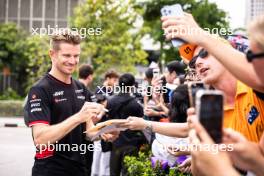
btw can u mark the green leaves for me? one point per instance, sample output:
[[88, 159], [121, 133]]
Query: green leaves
[[24, 55], [118, 47], [207, 15]]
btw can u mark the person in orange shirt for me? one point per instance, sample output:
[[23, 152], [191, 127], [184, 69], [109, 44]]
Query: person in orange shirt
[[246, 155]]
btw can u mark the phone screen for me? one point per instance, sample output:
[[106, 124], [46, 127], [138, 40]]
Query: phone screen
[[156, 73], [211, 115]]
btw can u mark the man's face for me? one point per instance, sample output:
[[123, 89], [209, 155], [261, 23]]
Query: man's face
[[258, 64], [170, 77], [66, 59], [112, 81], [208, 68]]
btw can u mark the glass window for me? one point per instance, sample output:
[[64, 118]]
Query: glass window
[[62, 8], [37, 24], [49, 23], [25, 8], [12, 11], [74, 3], [2, 8], [50, 9], [37, 8]]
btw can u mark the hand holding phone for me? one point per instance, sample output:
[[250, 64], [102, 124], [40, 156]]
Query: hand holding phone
[[174, 10]]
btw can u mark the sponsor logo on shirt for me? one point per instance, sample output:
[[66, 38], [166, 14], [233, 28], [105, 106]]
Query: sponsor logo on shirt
[[60, 100], [35, 105], [81, 97], [79, 91], [34, 96], [36, 110], [58, 93], [35, 100]]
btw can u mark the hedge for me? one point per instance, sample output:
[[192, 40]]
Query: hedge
[[11, 108]]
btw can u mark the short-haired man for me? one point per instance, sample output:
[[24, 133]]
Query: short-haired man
[[110, 80], [86, 74], [59, 113]]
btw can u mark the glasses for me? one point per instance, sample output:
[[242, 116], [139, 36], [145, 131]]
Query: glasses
[[202, 54], [251, 56]]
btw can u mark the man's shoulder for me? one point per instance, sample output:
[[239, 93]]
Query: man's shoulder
[[42, 83], [78, 83]]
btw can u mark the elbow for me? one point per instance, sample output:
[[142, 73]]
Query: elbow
[[38, 142]]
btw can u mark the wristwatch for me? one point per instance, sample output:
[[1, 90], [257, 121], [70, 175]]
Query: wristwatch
[[149, 126]]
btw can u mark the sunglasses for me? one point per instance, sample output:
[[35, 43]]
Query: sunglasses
[[251, 56], [202, 54]]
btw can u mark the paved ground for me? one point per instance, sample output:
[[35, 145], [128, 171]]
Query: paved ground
[[16, 150], [19, 121]]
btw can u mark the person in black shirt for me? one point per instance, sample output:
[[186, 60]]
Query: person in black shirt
[[86, 78], [58, 113], [122, 106]]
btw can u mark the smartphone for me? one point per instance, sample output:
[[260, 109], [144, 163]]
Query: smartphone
[[193, 87], [174, 10], [209, 109], [156, 73]]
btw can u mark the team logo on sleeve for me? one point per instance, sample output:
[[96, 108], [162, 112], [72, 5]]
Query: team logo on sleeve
[[34, 96], [252, 115]]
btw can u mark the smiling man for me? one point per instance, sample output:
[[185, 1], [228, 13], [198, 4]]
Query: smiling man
[[59, 112]]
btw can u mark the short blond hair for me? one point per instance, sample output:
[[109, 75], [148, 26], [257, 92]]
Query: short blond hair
[[64, 37], [256, 31]]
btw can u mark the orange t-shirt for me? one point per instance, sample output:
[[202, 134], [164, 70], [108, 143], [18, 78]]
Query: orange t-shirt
[[247, 115]]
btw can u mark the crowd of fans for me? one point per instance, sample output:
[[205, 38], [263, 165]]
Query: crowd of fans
[[237, 72], [161, 113]]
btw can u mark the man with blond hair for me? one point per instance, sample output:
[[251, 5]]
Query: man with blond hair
[[59, 113]]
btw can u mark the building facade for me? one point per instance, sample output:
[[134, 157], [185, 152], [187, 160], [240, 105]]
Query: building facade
[[254, 8], [37, 13]]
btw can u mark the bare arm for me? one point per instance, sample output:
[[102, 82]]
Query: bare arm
[[44, 134], [233, 60], [168, 129], [47, 134]]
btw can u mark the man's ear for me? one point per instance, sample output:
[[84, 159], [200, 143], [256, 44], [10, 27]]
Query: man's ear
[[52, 54]]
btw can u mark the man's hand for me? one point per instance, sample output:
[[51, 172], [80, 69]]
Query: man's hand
[[89, 111], [245, 155], [206, 162], [148, 111], [135, 123], [184, 27], [185, 167], [110, 137]]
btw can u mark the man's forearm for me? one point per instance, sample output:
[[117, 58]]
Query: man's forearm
[[234, 61], [50, 134]]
